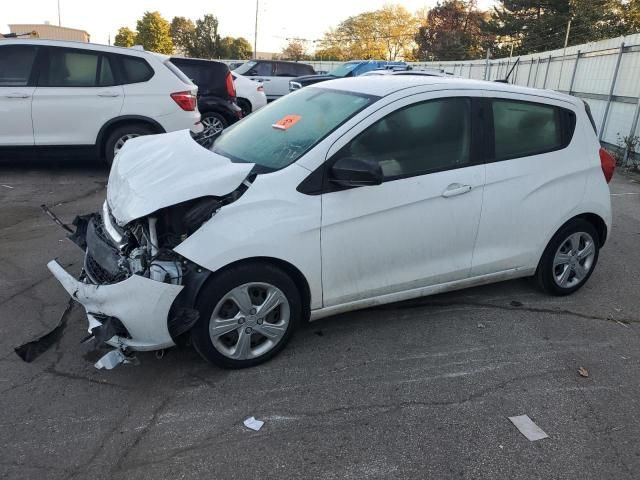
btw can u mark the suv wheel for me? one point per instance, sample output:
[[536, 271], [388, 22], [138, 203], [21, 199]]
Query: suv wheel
[[569, 259], [117, 139], [247, 315]]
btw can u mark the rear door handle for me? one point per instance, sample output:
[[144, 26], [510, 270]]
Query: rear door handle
[[17, 95], [108, 93], [456, 189]]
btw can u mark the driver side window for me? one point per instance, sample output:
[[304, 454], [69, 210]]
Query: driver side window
[[418, 139]]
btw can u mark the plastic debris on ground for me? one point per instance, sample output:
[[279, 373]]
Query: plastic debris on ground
[[528, 428], [253, 424]]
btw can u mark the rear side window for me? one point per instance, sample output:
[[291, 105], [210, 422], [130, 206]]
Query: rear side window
[[523, 129], [16, 63], [135, 70], [303, 69], [71, 68]]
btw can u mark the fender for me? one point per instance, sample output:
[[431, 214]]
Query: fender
[[127, 118]]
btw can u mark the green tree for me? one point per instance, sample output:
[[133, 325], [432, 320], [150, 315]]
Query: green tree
[[154, 33], [125, 37], [295, 50], [396, 27], [452, 30], [355, 38], [206, 42], [182, 32], [241, 49]]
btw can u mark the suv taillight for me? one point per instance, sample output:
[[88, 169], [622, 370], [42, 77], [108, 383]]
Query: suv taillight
[[608, 164], [231, 88], [186, 100]]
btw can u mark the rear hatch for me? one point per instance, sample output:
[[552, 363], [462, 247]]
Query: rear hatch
[[212, 78]]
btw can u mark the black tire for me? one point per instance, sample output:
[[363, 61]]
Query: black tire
[[207, 137], [218, 287], [245, 106], [545, 275], [135, 129]]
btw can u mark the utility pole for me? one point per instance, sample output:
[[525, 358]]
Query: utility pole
[[255, 37], [59, 22], [564, 53]]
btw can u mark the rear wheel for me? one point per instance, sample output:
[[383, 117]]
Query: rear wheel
[[245, 106], [247, 315], [213, 124], [569, 259], [118, 137]]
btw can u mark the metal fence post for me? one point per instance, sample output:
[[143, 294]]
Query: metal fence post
[[632, 132], [515, 73], [535, 76], [573, 75], [529, 74], [611, 90], [546, 73], [486, 65]]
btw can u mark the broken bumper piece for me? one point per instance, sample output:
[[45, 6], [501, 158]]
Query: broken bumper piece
[[134, 310]]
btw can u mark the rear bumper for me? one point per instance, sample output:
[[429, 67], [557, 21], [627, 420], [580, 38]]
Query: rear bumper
[[142, 306]]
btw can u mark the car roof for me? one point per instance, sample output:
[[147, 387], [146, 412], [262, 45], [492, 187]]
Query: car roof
[[383, 85], [137, 52]]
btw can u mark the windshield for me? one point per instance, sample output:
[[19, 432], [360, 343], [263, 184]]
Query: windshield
[[280, 133], [344, 69], [245, 67]]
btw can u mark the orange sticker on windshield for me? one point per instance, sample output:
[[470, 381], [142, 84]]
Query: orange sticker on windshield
[[287, 122]]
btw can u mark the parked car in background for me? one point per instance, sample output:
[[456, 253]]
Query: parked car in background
[[234, 65], [425, 73], [250, 94], [346, 70], [83, 96], [216, 94], [341, 196], [274, 75]]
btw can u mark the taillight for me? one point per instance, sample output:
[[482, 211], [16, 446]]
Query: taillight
[[608, 164], [185, 100], [260, 88], [231, 88]]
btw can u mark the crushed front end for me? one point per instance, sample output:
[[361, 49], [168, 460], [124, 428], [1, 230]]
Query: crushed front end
[[138, 293]]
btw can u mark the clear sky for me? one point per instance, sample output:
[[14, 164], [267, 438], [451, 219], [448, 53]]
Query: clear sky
[[277, 19]]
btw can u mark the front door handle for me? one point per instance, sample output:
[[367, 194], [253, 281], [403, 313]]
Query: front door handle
[[456, 189], [17, 95], [108, 93]]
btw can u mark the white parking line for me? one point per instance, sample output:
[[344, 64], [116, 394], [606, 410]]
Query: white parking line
[[628, 193]]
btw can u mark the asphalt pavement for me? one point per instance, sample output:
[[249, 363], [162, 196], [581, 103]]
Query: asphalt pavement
[[419, 389]]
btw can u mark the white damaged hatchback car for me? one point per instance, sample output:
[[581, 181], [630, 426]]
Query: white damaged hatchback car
[[340, 196]]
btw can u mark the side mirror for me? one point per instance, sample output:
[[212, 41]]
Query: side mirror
[[355, 172]]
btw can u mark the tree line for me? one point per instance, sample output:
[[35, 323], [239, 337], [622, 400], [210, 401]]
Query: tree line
[[459, 30], [182, 36]]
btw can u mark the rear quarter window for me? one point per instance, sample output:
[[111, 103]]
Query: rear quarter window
[[523, 129], [135, 69]]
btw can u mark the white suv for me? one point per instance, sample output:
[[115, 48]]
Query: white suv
[[340, 196], [71, 94]]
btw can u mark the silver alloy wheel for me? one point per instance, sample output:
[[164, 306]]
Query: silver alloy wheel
[[249, 320], [122, 140], [573, 260], [212, 126]]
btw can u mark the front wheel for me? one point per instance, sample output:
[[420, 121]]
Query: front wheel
[[569, 259], [247, 315]]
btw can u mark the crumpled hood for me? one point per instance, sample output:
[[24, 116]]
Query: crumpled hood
[[158, 171]]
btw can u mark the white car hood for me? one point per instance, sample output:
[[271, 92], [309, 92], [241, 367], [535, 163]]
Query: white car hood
[[158, 171]]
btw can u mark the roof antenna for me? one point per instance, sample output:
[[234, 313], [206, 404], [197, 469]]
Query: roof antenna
[[506, 79]]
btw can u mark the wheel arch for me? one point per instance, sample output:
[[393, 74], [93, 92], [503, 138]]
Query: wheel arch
[[117, 122], [593, 218], [296, 275]]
